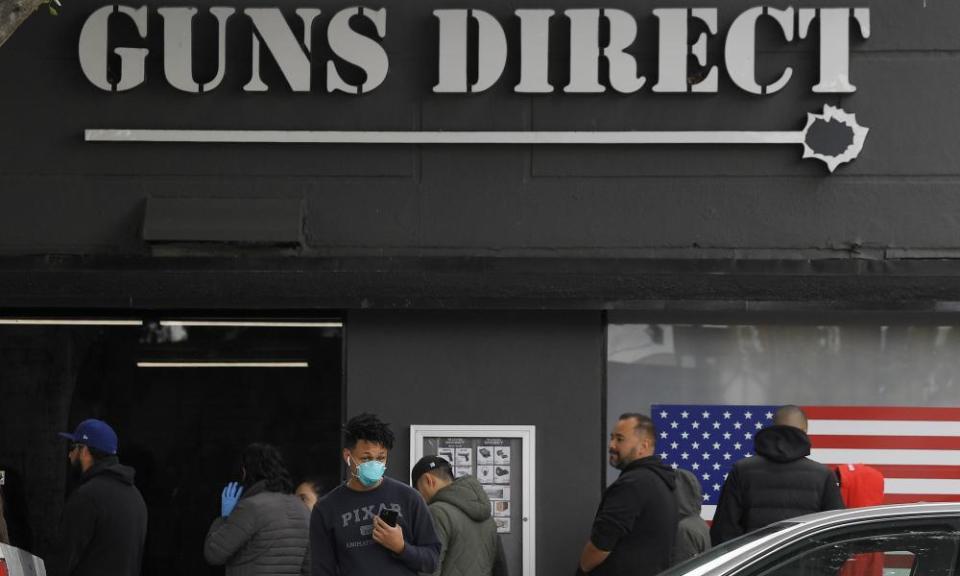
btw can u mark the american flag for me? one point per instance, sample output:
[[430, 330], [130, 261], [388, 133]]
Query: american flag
[[916, 449]]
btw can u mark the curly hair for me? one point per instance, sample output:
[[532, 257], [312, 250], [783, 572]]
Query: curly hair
[[264, 462], [367, 427]]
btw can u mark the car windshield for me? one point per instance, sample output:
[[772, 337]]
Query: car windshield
[[718, 551]]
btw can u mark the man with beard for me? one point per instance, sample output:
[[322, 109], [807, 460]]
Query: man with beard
[[104, 522], [635, 527]]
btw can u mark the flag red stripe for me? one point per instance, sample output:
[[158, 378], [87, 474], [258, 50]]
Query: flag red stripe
[[887, 442], [880, 413], [912, 498], [903, 471], [894, 442]]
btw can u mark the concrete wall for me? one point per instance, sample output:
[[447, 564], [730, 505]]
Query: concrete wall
[[528, 368]]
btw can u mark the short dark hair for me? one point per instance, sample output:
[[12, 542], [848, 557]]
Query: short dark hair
[[443, 473], [264, 462], [644, 427], [315, 484], [367, 427]]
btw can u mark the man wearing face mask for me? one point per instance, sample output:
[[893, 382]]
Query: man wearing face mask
[[636, 524], [348, 536], [104, 522]]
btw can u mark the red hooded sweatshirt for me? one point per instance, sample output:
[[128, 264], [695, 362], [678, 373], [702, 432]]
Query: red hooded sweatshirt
[[860, 485]]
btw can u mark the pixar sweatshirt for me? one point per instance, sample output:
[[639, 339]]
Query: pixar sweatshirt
[[341, 533]]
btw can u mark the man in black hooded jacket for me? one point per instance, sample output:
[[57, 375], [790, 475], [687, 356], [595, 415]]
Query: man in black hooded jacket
[[780, 482], [636, 524], [104, 522]]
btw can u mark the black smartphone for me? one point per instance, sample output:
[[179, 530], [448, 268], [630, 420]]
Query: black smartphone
[[389, 516]]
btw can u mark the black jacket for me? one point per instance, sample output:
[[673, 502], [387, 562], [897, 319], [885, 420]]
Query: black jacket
[[637, 520], [779, 483], [104, 525]]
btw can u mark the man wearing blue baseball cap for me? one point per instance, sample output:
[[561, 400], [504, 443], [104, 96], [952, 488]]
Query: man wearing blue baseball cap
[[104, 522]]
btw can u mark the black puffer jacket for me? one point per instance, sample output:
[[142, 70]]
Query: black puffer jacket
[[104, 525], [778, 484]]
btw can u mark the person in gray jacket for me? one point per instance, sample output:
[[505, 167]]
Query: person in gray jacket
[[461, 514], [4, 538], [263, 528], [693, 534]]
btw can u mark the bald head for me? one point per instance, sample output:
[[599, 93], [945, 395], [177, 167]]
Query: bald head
[[791, 415]]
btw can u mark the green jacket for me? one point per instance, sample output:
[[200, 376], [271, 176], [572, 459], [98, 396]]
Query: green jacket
[[468, 534]]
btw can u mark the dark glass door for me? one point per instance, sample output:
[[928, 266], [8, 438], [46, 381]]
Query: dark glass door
[[186, 400]]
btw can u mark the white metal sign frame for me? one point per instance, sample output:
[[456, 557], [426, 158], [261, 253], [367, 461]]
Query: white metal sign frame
[[527, 436]]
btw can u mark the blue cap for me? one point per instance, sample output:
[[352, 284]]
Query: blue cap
[[95, 434]]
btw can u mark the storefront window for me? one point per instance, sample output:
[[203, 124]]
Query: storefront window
[[881, 394], [778, 364]]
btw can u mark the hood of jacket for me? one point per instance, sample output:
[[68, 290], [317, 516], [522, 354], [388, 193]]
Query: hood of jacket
[[655, 465], [688, 493], [782, 443], [111, 468], [466, 494]]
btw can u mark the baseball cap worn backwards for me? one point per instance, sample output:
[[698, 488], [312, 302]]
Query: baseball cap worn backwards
[[426, 464], [95, 434]]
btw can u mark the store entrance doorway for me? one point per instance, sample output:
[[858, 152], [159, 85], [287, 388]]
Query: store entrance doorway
[[186, 398]]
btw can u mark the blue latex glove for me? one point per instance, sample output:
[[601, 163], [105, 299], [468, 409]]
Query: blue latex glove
[[229, 498]]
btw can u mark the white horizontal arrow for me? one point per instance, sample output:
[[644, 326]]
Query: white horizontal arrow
[[443, 137], [830, 114]]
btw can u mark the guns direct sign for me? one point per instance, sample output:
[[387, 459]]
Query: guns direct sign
[[472, 54]]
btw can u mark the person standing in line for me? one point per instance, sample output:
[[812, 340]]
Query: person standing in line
[[693, 534], [309, 492], [780, 482], [371, 524], [4, 537], [14, 514], [470, 545], [263, 529], [636, 524], [104, 524], [860, 485]]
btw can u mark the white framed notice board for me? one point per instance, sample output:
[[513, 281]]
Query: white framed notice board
[[502, 458]]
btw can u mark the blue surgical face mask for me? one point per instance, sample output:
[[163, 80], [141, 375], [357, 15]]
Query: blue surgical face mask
[[370, 472]]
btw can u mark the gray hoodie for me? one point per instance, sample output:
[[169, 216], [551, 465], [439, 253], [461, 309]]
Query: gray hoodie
[[693, 534], [4, 538], [468, 534]]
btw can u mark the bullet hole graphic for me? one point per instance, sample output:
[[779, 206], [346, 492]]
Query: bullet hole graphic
[[833, 137]]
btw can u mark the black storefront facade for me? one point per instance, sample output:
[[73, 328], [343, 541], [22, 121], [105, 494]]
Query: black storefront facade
[[472, 283]]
